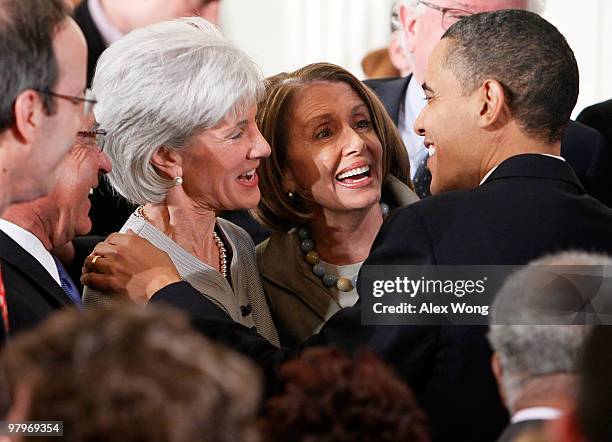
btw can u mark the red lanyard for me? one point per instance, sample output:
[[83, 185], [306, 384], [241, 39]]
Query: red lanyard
[[3, 306]]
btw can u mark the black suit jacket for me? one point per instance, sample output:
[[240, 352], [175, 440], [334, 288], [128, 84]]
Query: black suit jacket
[[599, 116], [584, 148], [95, 42], [31, 293], [530, 206]]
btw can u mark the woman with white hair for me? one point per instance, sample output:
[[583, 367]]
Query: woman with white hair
[[178, 102]]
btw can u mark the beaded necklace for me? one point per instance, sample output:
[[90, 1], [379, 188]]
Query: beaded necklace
[[311, 256]]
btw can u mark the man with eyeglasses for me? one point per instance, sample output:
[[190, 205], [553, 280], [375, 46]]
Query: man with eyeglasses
[[423, 23], [43, 102], [35, 234]]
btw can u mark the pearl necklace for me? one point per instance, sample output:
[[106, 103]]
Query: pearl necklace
[[307, 246], [217, 238]]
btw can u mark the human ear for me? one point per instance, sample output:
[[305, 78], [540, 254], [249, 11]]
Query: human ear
[[493, 108], [167, 162], [29, 112], [498, 372], [408, 17], [288, 182]]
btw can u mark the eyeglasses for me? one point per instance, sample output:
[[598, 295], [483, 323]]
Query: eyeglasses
[[92, 138], [450, 16], [89, 99]]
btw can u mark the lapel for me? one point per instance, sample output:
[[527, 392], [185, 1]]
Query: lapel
[[392, 93], [535, 166], [24, 263], [295, 275]]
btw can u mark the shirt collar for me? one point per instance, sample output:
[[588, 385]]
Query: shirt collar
[[536, 413], [31, 244], [486, 177], [415, 99], [413, 104], [107, 29]]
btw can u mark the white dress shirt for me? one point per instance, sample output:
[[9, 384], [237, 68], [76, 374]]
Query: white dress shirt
[[409, 111], [31, 244], [486, 177], [536, 413]]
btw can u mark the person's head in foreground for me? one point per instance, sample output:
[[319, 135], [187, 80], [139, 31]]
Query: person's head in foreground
[[333, 147], [424, 22], [484, 105], [536, 352], [330, 396], [43, 101], [129, 374]]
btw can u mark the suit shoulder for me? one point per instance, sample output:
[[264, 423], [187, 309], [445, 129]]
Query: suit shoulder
[[389, 82], [596, 111], [580, 131]]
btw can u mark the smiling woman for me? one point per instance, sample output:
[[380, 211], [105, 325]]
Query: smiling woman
[[178, 102], [337, 166]]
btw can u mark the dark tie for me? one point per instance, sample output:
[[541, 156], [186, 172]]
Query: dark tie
[[68, 285], [422, 177]]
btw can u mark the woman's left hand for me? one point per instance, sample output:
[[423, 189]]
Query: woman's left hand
[[130, 266]]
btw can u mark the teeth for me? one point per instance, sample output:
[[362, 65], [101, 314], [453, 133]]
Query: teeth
[[91, 190], [432, 150], [353, 172], [248, 174]]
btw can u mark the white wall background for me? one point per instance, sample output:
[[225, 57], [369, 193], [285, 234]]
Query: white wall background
[[283, 35]]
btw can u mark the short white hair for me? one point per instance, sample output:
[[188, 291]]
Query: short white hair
[[536, 6], [530, 351], [159, 86]]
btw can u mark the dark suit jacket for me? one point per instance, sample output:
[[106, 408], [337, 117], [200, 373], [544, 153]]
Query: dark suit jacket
[[95, 42], [599, 116], [584, 148], [31, 293], [514, 431], [530, 206]]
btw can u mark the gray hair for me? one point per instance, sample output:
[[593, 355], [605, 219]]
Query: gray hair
[[529, 351], [159, 86]]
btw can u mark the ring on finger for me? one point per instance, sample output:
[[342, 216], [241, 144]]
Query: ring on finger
[[95, 258]]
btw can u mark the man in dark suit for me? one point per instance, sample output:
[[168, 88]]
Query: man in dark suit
[[584, 149], [36, 283], [505, 197], [536, 365], [42, 105]]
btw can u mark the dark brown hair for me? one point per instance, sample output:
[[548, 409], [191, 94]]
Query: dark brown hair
[[329, 396], [27, 28], [276, 210]]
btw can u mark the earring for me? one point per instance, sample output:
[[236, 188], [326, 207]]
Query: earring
[[178, 181], [290, 195]]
